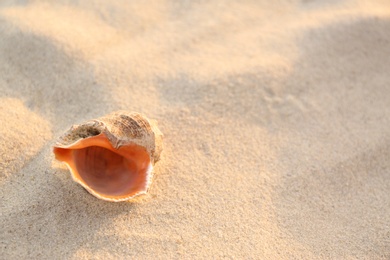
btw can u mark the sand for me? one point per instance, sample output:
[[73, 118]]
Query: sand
[[276, 116]]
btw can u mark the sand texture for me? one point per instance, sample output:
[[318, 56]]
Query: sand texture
[[276, 116]]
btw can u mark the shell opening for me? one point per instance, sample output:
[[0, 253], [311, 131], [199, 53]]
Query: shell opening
[[106, 172]]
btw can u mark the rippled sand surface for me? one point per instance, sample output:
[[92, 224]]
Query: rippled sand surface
[[276, 116]]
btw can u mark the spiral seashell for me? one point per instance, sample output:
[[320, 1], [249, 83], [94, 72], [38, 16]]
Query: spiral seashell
[[112, 157]]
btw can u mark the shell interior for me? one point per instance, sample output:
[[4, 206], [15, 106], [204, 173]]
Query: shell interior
[[106, 172]]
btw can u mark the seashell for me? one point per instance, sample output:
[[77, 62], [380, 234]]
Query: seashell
[[112, 157]]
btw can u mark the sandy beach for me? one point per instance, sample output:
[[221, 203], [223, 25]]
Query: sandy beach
[[275, 115]]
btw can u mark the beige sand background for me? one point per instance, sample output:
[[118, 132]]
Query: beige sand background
[[276, 117]]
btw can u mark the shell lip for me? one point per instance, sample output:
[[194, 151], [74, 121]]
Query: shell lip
[[68, 146]]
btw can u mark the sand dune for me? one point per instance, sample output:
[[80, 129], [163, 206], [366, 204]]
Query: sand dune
[[276, 119]]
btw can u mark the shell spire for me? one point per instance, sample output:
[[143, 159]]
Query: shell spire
[[113, 156]]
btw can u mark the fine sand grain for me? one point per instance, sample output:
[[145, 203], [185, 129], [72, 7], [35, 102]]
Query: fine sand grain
[[276, 116]]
